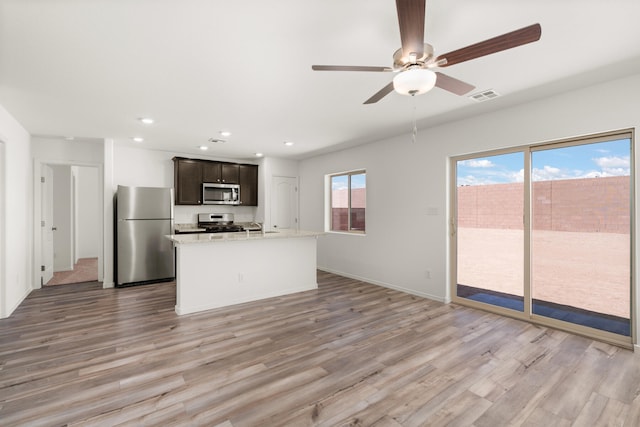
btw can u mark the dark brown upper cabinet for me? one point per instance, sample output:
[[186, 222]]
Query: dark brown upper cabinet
[[211, 172], [248, 185], [189, 174], [221, 173], [230, 173], [187, 181]]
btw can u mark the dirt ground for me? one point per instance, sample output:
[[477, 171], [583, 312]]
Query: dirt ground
[[585, 270]]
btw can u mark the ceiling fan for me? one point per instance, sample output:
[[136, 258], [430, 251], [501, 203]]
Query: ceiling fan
[[415, 59]]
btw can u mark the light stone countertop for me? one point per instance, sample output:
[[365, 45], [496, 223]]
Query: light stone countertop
[[182, 239], [193, 228], [187, 228]]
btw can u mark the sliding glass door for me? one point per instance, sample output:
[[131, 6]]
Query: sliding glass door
[[581, 234], [544, 233], [489, 227]]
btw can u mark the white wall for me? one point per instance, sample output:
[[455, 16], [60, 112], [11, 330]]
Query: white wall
[[68, 152], [17, 182], [87, 212], [406, 181], [63, 238], [138, 167], [401, 241]]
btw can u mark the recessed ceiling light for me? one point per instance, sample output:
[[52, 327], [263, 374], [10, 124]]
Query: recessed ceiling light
[[225, 133], [137, 139], [288, 143], [146, 120], [259, 154], [203, 147], [69, 138]]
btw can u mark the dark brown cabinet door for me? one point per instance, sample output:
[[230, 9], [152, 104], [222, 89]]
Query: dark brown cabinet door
[[249, 185], [211, 172], [187, 175], [230, 173], [221, 173]]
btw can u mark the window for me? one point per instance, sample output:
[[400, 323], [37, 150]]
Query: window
[[348, 201]]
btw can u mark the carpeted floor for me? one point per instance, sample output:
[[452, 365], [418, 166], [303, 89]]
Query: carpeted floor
[[86, 270]]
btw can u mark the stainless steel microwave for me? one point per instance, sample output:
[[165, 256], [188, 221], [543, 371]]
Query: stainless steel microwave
[[220, 194]]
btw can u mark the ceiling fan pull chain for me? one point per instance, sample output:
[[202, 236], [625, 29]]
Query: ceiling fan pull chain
[[414, 134]]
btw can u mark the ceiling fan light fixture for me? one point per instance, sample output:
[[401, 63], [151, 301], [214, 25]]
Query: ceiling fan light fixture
[[414, 81]]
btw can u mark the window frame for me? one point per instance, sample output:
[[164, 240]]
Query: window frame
[[329, 210]]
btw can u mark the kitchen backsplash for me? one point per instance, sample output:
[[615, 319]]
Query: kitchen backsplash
[[189, 214]]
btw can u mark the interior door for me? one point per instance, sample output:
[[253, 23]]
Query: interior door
[[284, 203], [47, 222]]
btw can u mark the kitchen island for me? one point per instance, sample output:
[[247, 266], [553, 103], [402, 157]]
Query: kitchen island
[[220, 269]]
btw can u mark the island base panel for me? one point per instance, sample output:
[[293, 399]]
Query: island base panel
[[220, 274]]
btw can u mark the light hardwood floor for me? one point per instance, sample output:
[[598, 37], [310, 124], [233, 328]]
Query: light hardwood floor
[[348, 354]]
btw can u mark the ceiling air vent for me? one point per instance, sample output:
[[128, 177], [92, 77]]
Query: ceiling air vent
[[485, 95], [217, 141]]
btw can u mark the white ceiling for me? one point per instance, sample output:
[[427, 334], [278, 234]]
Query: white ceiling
[[90, 68]]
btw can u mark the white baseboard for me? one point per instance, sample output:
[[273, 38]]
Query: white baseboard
[[386, 285]]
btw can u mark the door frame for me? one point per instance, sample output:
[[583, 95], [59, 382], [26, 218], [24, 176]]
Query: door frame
[[527, 315], [47, 173], [37, 216], [3, 239]]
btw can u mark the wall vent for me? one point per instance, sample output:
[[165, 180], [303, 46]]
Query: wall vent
[[484, 95]]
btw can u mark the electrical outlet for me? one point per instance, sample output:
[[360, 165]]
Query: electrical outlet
[[240, 277]]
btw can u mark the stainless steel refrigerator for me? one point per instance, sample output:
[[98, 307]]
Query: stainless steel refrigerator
[[144, 215]]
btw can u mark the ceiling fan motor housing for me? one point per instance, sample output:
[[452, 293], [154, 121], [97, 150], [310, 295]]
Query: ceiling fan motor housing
[[400, 60]]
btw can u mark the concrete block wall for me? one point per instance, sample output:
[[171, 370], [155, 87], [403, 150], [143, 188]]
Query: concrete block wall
[[584, 205]]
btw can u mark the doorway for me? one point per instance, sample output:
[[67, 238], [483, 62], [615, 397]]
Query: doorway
[[543, 233], [71, 231]]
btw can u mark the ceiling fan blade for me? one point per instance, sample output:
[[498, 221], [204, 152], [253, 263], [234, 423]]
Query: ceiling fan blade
[[349, 68], [380, 94], [411, 20], [506, 41], [452, 85]]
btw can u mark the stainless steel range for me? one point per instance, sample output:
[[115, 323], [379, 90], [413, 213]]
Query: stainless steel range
[[218, 223]]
